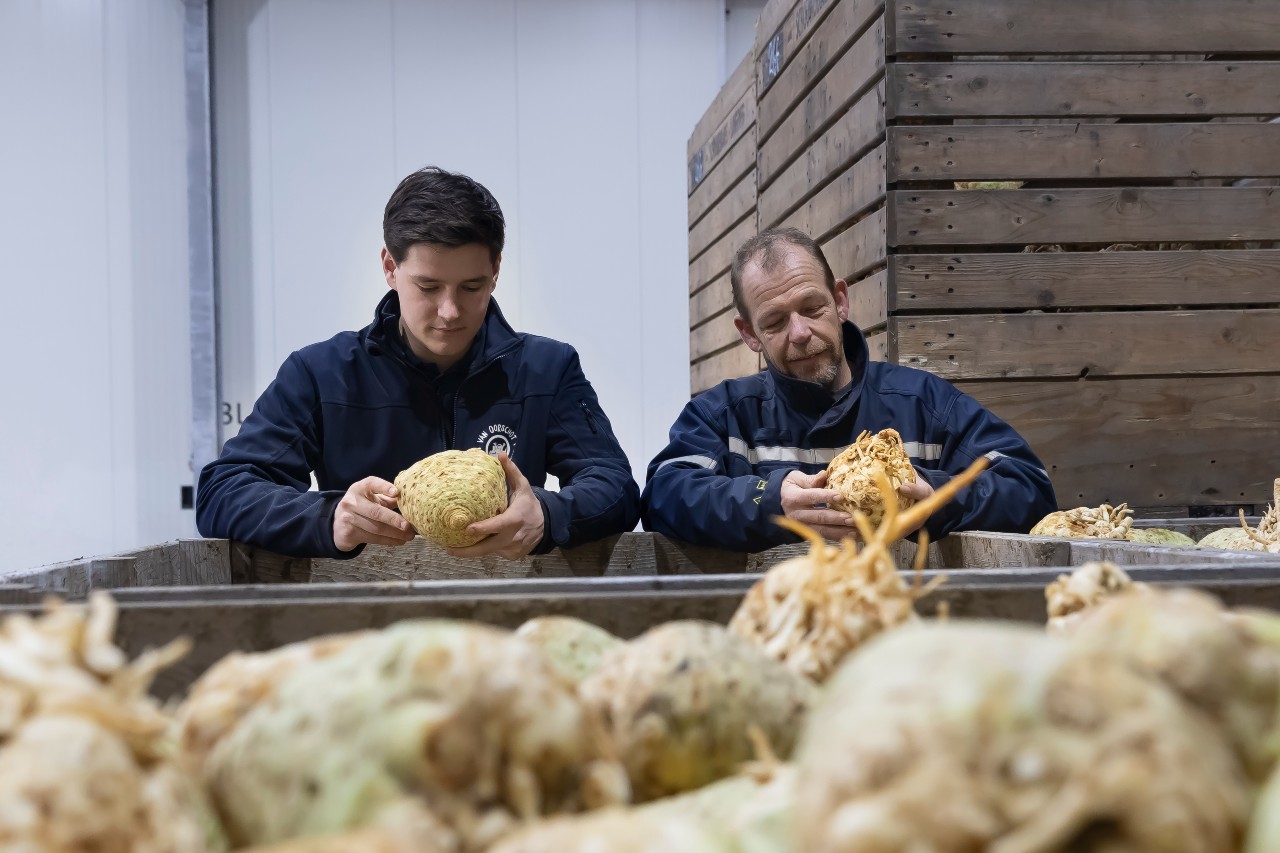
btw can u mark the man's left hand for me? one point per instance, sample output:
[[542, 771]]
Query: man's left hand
[[519, 528], [917, 491]]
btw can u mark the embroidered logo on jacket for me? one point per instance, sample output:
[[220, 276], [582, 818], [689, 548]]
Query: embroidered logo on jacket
[[498, 438]]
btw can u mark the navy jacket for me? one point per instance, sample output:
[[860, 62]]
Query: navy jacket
[[719, 480], [361, 404]]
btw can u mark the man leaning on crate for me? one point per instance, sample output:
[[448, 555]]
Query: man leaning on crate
[[438, 368], [756, 447]]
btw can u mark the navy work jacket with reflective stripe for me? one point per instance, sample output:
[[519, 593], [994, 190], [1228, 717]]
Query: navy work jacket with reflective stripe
[[719, 480]]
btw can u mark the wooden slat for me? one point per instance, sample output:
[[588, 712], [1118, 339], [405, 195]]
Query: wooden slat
[[738, 361], [855, 72], [946, 283], [777, 96], [419, 560], [1079, 152], [772, 16], [777, 38], [739, 123], [995, 89], [867, 301], [877, 344], [1095, 215], [852, 136], [713, 336], [740, 81], [715, 261], [729, 211], [710, 300], [1103, 343], [740, 159], [1087, 26], [1183, 441], [849, 196], [252, 565], [983, 550], [1196, 528], [858, 249]]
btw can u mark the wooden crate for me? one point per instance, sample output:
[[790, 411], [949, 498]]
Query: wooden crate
[[228, 597], [1140, 360], [722, 214]]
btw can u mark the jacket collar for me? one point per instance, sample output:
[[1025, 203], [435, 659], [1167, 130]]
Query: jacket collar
[[495, 338], [815, 400]]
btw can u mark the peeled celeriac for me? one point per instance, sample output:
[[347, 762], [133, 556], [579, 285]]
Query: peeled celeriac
[[678, 702]]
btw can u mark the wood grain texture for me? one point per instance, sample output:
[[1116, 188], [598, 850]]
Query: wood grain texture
[[1095, 215], [1086, 26], [737, 205], [729, 364], [740, 82], [854, 73], [727, 174], [715, 261], [854, 134], [740, 122], [1177, 441], [714, 335], [710, 301], [868, 301], [996, 89], [860, 248], [1083, 151], [860, 188], [1095, 344], [961, 282], [807, 62]]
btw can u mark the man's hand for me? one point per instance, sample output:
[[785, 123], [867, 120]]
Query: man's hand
[[917, 491], [364, 516], [800, 495], [515, 532]]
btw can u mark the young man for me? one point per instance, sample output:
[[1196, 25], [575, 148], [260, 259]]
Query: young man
[[757, 447], [438, 368]]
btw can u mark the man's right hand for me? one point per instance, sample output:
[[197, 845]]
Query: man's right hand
[[365, 516], [800, 495]]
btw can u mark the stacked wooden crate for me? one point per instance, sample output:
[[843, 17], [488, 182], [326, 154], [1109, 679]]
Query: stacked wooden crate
[[1121, 308], [722, 214]]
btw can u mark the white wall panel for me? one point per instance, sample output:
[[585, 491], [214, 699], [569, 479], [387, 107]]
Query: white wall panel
[[678, 78], [92, 278], [455, 90], [575, 113], [579, 183]]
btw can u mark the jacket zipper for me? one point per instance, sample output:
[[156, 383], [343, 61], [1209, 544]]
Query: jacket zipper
[[453, 438], [591, 421]]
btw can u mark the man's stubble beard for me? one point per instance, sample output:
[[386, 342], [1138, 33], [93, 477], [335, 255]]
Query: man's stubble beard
[[826, 377]]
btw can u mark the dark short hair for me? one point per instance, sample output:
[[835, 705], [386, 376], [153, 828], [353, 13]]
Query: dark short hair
[[767, 247], [435, 206]]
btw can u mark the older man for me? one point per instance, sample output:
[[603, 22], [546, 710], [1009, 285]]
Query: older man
[[753, 448]]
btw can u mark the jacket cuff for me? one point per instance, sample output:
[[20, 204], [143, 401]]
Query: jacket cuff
[[948, 516], [325, 546], [551, 535]]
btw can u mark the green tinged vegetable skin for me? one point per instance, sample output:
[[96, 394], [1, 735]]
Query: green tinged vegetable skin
[[1217, 663], [754, 813], [972, 736], [618, 831], [1231, 538], [678, 702], [467, 718], [1159, 536], [573, 648]]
